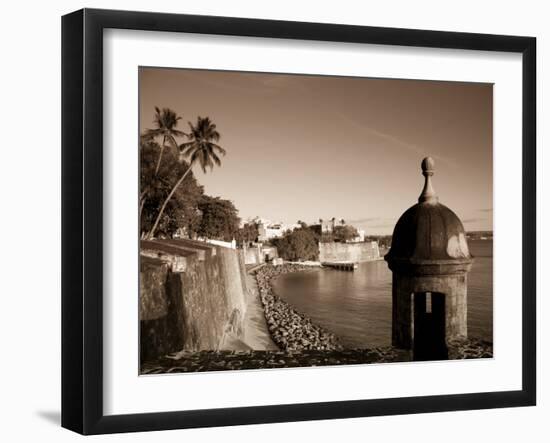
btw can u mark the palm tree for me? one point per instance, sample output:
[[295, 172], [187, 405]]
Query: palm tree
[[201, 146], [202, 149], [165, 121]]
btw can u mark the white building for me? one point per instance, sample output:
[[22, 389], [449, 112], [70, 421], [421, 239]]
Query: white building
[[360, 236], [271, 230]]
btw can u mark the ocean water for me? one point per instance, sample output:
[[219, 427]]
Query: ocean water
[[356, 306]]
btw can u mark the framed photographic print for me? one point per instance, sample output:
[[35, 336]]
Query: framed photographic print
[[269, 221]]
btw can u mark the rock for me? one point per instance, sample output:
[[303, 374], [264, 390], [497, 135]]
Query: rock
[[290, 329]]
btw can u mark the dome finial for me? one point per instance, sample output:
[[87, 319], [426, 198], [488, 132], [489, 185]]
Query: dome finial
[[428, 194]]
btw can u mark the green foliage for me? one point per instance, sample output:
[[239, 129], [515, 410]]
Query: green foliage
[[165, 122], [344, 233], [182, 209], [327, 237], [202, 147], [170, 198], [298, 245], [317, 230], [219, 219], [248, 233], [341, 233]]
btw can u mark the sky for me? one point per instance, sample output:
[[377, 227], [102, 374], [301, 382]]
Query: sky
[[304, 147]]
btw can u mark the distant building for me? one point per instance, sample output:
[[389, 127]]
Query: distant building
[[254, 221], [360, 237], [327, 226], [269, 231]]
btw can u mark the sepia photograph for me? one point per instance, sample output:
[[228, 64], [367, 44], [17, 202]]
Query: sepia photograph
[[296, 220]]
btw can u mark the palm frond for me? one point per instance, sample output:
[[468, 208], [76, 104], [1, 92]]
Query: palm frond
[[216, 159], [219, 148], [177, 132], [172, 141], [187, 148], [153, 132], [201, 147]]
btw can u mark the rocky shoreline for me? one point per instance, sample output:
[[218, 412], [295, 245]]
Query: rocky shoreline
[[289, 329], [293, 331]]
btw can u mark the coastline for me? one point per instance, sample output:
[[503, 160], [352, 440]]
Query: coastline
[[291, 339], [290, 329], [459, 348], [256, 332]]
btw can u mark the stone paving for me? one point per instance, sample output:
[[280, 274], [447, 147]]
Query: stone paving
[[468, 348], [236, 360]]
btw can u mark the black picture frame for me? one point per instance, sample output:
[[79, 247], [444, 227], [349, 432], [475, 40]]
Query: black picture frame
[[82, 218]]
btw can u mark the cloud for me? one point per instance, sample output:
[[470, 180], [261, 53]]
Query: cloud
[[397, 141], [409, 146]]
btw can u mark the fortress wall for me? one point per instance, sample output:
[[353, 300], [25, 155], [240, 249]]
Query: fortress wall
[[189, 301], [254, 255], [159, 326], [354, 252]]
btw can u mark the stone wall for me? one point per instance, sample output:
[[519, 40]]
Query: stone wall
[[254, 255], [405, 288], [159, 323], [192, 295], [354, 252]]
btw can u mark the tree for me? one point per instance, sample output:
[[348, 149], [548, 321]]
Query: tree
[[219, 219], [148, 150], [327, 237], [298, 245], [248, 233], [182, 210], [202, 149], [345, 233], [165, 121]]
